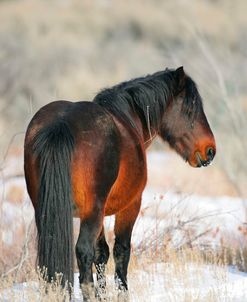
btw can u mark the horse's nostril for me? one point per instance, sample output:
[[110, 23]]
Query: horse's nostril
[[210, 153]]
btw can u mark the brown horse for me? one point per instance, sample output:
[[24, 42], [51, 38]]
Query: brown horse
[[88, 160]]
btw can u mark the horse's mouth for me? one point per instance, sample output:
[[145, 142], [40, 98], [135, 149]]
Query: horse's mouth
[[201, 162]]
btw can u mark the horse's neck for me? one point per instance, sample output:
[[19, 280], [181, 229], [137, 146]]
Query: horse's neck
[[149, 130], [145, 130]]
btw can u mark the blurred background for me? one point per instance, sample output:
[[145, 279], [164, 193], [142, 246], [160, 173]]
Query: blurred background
[[70, 49]]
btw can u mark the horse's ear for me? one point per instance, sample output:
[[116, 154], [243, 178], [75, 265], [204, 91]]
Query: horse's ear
[[180, 71], [180, 76]]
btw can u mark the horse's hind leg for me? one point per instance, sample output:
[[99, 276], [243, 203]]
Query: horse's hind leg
[[85, 250], [95, 168], [123, 228], [100, 260]]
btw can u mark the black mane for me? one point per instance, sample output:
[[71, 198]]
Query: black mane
[[147, 96]]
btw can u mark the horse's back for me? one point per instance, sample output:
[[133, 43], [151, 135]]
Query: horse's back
[[80, 116]]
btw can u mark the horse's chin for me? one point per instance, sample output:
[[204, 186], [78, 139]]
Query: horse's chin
[[195, 165], [194, 161]]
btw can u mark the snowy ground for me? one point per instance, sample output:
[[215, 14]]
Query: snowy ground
[[176, 213], [160, 282], [163, 213], [168, 281]]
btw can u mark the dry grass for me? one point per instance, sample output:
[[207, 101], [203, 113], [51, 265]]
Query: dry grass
[[163, 256], [157, 271], [179, 278], [71, 49]]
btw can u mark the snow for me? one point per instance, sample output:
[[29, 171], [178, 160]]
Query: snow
[[165, 212], [161, 213], [160, 282]]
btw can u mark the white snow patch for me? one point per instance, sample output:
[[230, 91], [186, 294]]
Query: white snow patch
[[159, 282]]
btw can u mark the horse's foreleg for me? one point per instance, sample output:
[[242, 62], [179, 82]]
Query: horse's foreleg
[[85, 251], [100, 260], [123, 228]]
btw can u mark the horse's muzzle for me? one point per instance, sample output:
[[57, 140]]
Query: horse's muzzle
[[210, 153]]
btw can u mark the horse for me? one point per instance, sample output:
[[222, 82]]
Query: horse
[[88, 160]]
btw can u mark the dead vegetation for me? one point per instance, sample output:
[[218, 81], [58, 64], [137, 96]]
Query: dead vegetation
[[179, 276], [70, 50], [74, 48]]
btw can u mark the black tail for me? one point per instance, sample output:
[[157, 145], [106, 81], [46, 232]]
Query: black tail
[[53, 146]]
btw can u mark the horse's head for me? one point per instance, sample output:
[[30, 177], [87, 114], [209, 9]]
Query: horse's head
[[184, 124]]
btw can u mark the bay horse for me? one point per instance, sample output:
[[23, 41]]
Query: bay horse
[[88, 160]]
